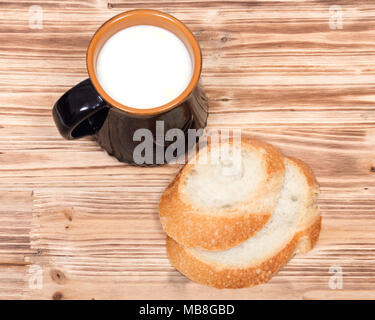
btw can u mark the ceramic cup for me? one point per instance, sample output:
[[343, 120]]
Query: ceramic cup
[[87, 109]]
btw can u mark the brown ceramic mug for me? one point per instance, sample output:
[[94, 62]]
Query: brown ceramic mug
[[87, 109]]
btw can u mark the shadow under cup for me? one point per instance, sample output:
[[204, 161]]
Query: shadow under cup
[[87, 109]]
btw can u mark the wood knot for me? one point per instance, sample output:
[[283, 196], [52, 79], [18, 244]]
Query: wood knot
[[58, 276], [57, 296], [224, 39], [68, 213], [372, 169]]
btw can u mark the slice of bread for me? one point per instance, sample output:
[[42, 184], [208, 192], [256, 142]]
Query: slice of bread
[[294, 226], [216, 205]]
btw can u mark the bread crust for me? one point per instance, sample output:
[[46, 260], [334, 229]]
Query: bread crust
[[205, 273], [309, 237], [221, 229]]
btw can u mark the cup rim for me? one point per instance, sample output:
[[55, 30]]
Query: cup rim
[[197, 65]]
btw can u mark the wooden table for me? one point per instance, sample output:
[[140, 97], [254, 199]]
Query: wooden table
[[76, 223]]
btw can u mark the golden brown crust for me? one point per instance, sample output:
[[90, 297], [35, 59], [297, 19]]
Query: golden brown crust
[[308, 238], [204, 273], [211, 230], [273, 156]]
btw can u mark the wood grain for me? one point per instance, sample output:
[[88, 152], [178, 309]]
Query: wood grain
[[272, 68]]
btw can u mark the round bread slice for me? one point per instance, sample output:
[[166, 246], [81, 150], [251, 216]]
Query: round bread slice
[[257, 259], [217, 204]]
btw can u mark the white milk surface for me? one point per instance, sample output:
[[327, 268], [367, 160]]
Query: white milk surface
[[144, 67]]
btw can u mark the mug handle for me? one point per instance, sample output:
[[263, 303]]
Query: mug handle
[[80, 111]]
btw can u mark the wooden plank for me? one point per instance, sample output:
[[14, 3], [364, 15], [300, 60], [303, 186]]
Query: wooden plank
[[239, 53], [15, 226], [275, 69], [89, 236]]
